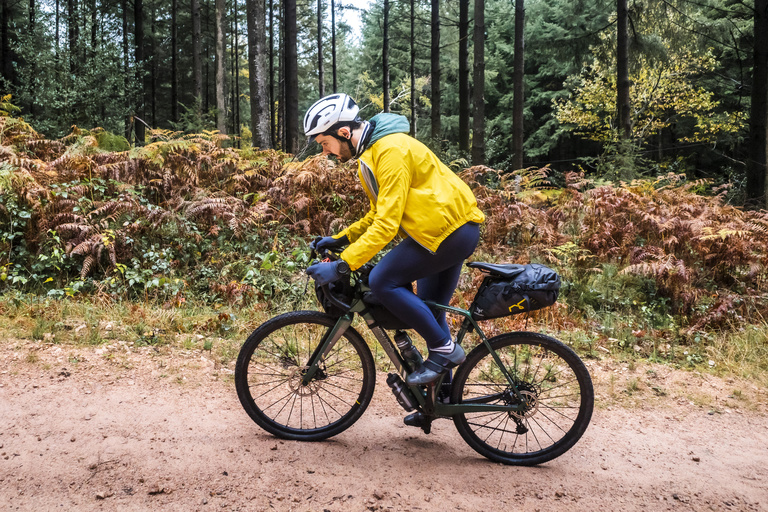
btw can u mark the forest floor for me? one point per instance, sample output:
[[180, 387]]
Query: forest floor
[[118, 427]]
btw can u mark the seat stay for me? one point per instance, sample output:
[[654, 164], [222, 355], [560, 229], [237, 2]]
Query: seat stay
[[464, 329]]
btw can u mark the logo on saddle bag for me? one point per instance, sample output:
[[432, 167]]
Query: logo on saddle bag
[[519, 306]]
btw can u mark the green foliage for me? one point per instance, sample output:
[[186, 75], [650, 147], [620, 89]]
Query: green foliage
[[663, 93]]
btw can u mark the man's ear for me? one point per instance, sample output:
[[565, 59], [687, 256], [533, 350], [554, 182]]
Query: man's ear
[[345, 132]]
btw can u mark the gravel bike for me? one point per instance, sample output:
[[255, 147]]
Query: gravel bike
[[519, 398]]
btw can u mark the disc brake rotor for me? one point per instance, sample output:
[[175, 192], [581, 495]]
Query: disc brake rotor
[[532, 406], [295, 378]]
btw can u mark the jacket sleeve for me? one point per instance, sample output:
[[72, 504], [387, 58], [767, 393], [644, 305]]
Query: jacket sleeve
[[393, 176]]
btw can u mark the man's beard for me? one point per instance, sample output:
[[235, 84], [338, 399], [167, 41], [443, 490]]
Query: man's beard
[[344, 154]]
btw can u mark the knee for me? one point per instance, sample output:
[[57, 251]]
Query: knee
[[379, 283]]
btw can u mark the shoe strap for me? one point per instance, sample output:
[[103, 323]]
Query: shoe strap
[[438, 362]]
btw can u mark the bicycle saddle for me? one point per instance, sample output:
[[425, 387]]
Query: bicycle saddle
[[507, 270]]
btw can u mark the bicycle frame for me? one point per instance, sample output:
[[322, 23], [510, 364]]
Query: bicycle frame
[[426, 398]]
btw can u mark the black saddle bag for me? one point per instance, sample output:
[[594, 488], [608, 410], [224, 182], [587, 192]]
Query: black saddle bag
[[526, 288]]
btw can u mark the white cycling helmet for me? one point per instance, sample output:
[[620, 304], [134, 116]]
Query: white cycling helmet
[[326, 112]]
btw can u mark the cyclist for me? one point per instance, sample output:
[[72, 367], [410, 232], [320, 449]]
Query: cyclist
[[412, 193]]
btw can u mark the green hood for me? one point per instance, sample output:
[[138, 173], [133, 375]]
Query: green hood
[[387, 124]]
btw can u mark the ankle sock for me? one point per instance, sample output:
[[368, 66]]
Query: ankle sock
[[445, 349]]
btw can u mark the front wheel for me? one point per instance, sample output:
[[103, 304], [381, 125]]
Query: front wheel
[[273, 361], [554, 401]]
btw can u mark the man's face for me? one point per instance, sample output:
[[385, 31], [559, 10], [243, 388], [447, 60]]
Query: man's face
[[333, 146]]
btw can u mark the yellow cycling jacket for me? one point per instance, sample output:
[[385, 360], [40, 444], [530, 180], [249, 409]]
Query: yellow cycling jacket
[[411, 192]]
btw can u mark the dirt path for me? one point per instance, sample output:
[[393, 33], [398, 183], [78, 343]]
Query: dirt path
[[125, 429]]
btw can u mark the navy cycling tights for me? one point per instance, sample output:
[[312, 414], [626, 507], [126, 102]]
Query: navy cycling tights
[[436, 276]]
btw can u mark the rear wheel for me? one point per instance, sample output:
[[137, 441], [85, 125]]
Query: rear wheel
[[273, 361], [553, 384]]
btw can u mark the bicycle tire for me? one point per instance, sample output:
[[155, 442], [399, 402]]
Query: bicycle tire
[[547, 371], [268, 377]]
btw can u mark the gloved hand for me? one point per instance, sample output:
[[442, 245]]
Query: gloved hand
[[328, 242], [328, 271]]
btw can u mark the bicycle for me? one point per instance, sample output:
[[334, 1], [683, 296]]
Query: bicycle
[[519, 398]]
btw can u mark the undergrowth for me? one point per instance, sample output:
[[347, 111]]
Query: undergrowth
[[189, 236]]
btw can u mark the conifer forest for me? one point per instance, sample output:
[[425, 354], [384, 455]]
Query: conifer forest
[[153, 150]]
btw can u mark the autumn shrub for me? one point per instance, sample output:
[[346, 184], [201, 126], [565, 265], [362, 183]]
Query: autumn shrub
[[188, 217], [650, 248]]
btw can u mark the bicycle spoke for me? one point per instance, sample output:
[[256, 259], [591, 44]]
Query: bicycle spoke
[[548, 407]]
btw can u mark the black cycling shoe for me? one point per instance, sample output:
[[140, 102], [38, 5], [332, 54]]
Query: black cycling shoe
[[416, 419], [436, 364]]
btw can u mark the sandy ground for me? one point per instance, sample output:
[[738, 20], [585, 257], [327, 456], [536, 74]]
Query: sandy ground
[[121, 428]]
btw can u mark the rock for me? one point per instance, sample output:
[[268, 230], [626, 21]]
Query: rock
[[104, 495]]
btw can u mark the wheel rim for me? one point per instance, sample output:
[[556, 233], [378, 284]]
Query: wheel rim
[[275, 371], [549, 396]]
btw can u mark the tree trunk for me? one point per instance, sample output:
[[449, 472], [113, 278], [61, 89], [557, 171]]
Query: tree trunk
[[464, 75], [320, 73], [154, 67], [518, 101], [138, 16], [291, 79], [5, 41], [72, 34], [126, 75], [94, 25], [235, 70], [33, 64], [207, 56], [257, 71], [478, 117], [622, 69], [197, 52], [413, 68], [221, 99], [174, 63], [385, 57], [57, 26], [757, 170], [435, 72], [272, 98], [333, 43], [281, 79]]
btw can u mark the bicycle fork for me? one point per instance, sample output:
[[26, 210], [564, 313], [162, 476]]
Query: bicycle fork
[[329, 340]]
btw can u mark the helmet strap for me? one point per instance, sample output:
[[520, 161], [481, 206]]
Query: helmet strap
[[365, 136]]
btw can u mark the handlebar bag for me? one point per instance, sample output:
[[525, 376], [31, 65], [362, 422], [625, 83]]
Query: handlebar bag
[[535, 287]]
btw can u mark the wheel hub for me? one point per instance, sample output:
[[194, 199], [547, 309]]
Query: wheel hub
[[529, 396], [296, 381], [531, 407]]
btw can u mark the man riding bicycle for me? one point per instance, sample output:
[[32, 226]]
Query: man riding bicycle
[[412, 193]]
